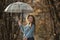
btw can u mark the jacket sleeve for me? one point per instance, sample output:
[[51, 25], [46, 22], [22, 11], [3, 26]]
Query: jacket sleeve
[[21, 28]]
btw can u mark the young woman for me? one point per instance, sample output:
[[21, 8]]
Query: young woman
[[28, 30]]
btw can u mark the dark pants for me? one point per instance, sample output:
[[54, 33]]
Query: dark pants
[[31, 38]]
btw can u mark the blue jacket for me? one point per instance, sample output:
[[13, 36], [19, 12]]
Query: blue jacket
[[27, 30]]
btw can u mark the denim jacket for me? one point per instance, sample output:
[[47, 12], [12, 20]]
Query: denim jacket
[[27, 30]]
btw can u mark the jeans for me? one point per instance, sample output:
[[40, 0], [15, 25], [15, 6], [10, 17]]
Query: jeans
[[32, 38]]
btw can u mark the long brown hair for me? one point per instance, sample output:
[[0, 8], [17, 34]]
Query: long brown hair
[[33, 18]]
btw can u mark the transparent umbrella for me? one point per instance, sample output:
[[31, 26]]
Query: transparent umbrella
[[19, 7]]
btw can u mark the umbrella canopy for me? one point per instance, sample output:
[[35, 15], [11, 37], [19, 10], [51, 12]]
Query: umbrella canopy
[[18, 7]]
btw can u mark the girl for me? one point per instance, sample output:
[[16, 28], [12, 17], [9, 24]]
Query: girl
[[28, 30]]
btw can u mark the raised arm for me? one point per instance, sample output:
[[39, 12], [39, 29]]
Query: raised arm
[[20, 26]]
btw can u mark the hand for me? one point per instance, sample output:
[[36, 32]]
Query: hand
[[19, 23], [24, 38]]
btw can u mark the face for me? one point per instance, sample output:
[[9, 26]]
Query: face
[[30, 19]]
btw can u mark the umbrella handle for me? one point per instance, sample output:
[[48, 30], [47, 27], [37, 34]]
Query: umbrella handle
[[22, 17]]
